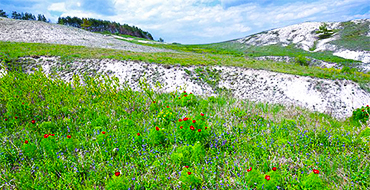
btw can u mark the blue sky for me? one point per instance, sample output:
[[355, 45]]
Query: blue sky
[[197, 21]]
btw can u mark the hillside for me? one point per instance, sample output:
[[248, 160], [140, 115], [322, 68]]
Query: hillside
[[81, 110], [351, 39]]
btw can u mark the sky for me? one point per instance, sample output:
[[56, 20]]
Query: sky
[[197, 21]]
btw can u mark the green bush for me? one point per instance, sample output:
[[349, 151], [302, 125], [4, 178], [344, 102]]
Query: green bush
[[302, 60], [361, 114]]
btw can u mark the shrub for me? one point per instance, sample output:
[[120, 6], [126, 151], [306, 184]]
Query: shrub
[[302, 60], [361, 114]]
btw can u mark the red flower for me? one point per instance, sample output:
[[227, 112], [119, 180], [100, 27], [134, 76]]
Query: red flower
[[192, 128], [185, 95], [199, 130], [46, 136], [157, 128], [274, 168], [202, 114], [193, 121], [367, 105], [22, 103], [6, 119], [179, 98], [52, 135], [16, 117], [180, 127], [191, 93], [138, 134], [184, 91], [185, 118], [26, 142], [33, 121], [189, 173], [205, 127], [103, 132], [316, 171], [250, 169], [69, 136], [117, 174], [186, 166], [267, 177], [180, 120], [168, 106], [363, 110], [153, 103]]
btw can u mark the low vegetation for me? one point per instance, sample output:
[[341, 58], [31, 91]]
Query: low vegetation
[[104, 135]]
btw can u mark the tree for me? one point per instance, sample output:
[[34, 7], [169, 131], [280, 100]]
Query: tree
[[41, 18], [3, 14], [160, 40], [16, 15], [85, 24], [324, 31]]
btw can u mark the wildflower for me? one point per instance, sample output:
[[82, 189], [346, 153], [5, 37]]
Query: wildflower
[[192, 128], [184, 91], [180, 120], [16, 117], [316, 171], [363, 110], [33, 121], [22, 103], [199, 130], [186, 166], [103, 132], [52, 135], [138, 134], [181, 127], [6, 119], [185, 118], [274, 168], [193, 121], [153, 102], [157, 128], [168, 106], [202, 114], [26, 142], [189, 173], [179, 97], [69, 136], [205, 127], [185, 95], [117, 174], [367, 105], [250, 169], [267, 177], [46, 136]]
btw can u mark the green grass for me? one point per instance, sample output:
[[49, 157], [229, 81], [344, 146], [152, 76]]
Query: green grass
[[94, 134], [239, 135], [353, 36]]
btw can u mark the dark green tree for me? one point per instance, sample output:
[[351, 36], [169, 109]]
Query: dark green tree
[[3, 14], [41, 18], [324, 31], [16, 15]]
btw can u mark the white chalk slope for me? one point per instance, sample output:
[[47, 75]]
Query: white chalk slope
[[304, 36]]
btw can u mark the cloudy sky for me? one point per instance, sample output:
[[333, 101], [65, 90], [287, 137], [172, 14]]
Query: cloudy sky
[[197, 21]]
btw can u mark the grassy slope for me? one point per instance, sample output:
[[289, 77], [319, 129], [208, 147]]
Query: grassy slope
[[240, 134]]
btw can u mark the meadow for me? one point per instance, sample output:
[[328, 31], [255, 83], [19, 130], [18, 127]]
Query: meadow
[[104, 135]]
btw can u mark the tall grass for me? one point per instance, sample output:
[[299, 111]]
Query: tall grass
[[59, 135]]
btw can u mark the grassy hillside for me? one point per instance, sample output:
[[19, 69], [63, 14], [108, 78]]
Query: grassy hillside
[[59, 135]]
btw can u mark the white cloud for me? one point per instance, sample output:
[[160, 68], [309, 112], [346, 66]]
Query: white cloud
[[60, 7]]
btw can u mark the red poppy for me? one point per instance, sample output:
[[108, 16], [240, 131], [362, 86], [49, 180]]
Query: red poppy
[[199, 130], [22, 103], [52, 135], [103, 132], [179, 98], [69, 136], [168, 106], [193, 121], [46, 136], [153, 103], [33, 121], [186, 166], [180, 127], [26, 142], [49, 134], [202, 114], [180, 120], [316, 171], [6, 119], [367, 105], [192, 128], [185, 95], [205, 127], [363, 110], [267, 177], [189, 173], [250, 169], [184, 91], [117, 174], [191, 93], [274, 168], [16, 117], [138, 134], [185, 118], [157, 128]]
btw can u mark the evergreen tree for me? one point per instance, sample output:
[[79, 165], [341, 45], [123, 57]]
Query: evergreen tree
[[324, 31], [3, 14], [86, 24], [41, 18], [16, 15]]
